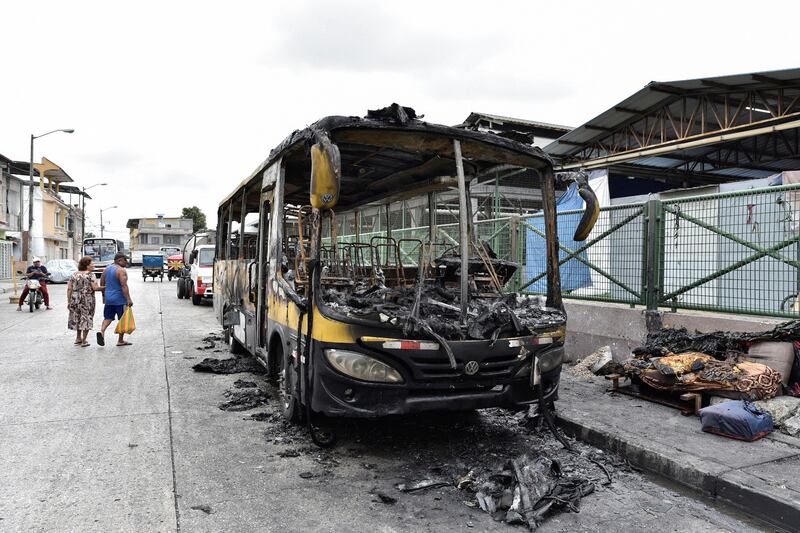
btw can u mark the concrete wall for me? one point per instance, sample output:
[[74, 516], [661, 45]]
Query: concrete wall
[[592, 325]]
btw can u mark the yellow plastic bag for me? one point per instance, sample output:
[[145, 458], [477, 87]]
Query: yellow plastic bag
[[126, 324]]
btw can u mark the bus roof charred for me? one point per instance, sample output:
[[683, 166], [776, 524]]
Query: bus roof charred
[[391, 153]]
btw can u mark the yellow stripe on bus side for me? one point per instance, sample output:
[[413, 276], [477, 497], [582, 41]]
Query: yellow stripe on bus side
[[286, 312]]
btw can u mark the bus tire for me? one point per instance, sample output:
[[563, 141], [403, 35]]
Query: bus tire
[[181, 290], [288, 378], [196, 300]]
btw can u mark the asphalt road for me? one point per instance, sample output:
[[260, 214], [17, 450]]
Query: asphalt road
[[132, 439]]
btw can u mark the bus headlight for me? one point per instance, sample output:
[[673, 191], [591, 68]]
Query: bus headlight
[[363, 367], [550, 359]]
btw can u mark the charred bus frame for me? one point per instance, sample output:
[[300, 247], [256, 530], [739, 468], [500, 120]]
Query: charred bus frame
[[284, 296]]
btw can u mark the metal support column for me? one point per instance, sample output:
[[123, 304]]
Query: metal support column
[[463, 226], [551, 232]]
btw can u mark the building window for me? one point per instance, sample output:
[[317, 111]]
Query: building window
[[59, 222], [155, 239], [143, 239], [172, 239]]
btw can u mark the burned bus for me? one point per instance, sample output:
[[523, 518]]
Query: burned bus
[[352, 329]]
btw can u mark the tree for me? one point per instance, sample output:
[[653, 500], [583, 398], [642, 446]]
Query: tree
[[197, 216], [89, 235]]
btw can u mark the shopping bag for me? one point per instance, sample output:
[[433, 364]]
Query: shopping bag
[[126, 324]]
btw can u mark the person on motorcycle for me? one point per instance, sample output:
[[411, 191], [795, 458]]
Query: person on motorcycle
[[39, 272]]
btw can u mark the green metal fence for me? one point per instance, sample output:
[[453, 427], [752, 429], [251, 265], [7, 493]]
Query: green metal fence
[[736, 252], [733, 252], [607, 266]]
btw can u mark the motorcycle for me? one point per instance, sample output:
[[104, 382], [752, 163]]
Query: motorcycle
[[35, 297]]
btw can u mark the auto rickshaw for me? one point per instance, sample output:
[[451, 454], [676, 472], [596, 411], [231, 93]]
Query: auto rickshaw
[[153, 267], [174, 266]]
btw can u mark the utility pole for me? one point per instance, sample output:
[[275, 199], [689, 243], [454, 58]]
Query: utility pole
[[102, 227], [83, 210], [27, 250]]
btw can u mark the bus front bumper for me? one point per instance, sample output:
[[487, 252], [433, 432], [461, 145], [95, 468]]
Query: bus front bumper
[[335, 394]]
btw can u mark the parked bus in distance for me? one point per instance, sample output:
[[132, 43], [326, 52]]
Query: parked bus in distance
[[380, 325], [102, 252]]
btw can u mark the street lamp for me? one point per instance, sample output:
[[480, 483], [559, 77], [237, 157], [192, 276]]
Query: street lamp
[[83, 210], [101, 219], [30, 189]]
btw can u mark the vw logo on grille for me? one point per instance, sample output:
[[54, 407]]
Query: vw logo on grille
[[471, 368]]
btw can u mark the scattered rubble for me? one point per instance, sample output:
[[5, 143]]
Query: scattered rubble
[[585, 368], [244, 399], [785, 411], [527, 489], [242, 384], [233, 365]]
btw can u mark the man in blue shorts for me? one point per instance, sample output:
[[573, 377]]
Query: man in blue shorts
[[115, 296]]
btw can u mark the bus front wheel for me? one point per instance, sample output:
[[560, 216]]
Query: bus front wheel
[[289, 377]]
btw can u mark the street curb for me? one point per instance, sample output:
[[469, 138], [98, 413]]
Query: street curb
[[770, 507]]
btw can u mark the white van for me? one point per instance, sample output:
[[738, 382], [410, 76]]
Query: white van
[[200, 285]]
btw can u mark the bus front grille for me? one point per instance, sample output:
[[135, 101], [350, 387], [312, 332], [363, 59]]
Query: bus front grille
[[427, 367]]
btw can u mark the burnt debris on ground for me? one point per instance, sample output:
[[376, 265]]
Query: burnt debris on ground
[[234, 365], [492, 461], [718, 344], [244, 399], [718, 363]]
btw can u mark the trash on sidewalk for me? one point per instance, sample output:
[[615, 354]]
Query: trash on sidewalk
[[778, 348], [697, 372], [718, 344], [528, 489], [737, 419]]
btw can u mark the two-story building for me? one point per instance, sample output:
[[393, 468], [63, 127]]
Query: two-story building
[[55, 233], [11, 209], [150, 234]]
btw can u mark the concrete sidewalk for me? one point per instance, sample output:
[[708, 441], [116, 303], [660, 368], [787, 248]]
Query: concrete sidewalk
[[7, 286], [762, 478]]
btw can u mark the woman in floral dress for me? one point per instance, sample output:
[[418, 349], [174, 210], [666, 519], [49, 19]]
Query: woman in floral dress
[[80, 300]]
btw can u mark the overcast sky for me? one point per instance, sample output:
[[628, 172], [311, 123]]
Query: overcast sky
[[174, 103]]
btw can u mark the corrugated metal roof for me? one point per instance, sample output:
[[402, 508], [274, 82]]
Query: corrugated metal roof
[[656, 94]]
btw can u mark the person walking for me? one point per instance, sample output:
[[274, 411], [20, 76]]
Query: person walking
[[36, 271], [115, 297], [80, 300]]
